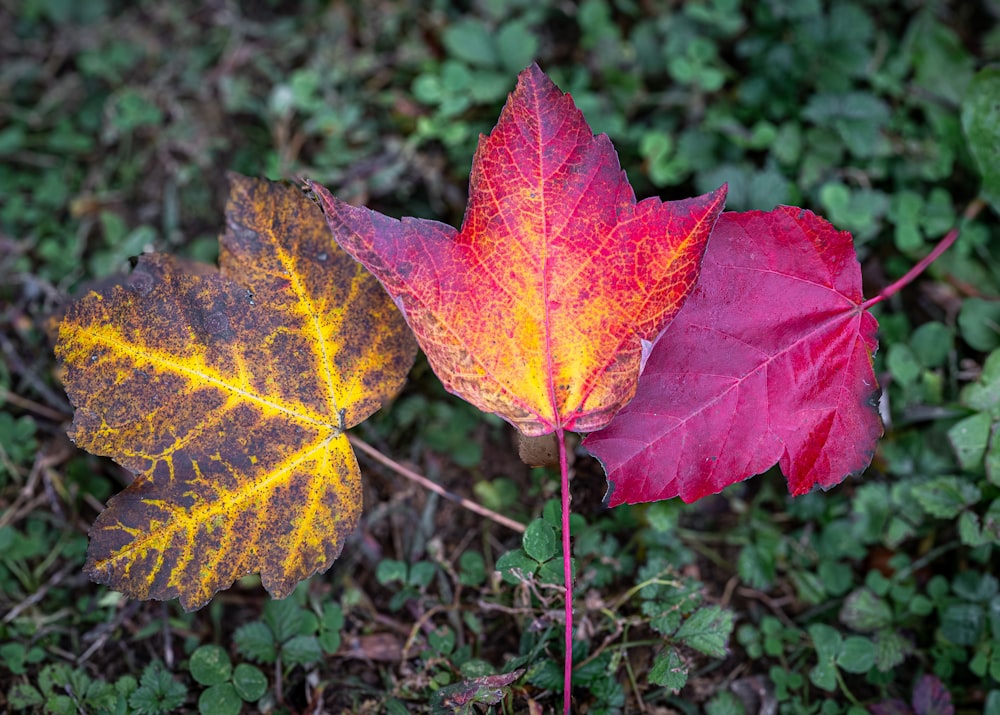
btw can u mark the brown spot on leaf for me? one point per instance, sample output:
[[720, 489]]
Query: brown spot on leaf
[[140, 283], [216, 323]]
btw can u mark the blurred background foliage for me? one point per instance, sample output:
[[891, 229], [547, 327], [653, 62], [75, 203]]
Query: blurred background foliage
[[118, 123]]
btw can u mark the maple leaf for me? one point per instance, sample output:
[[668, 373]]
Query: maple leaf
[[539, 309], [227, 392], [542, 308], [769, 361]]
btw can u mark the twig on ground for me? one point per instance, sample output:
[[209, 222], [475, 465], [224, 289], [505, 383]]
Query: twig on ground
[[31, 406], [426, 483]]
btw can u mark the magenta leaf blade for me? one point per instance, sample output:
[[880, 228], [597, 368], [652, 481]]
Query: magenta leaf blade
[[769, 361]]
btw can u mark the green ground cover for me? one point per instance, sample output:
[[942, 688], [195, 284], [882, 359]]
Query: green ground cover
[[118, 122]]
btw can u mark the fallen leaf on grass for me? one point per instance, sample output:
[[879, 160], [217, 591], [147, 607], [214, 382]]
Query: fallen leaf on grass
[[227, 393], [769, 361], [462, 696], [541, 307]]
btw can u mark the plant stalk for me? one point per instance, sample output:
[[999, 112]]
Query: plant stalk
[[971, 211], [426, 483], [567, 573]]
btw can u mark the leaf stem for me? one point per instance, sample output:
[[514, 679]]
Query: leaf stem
[[971, 211], [426, 483], [567, 573]]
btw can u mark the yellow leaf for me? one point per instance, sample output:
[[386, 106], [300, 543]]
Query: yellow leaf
[[227, 392]]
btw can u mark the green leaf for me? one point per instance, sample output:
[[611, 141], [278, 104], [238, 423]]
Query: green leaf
[[442, 640], [220, 699], [979, 323], [970, 531], [942, 66], [301, 650], [984, 394], [539, 541], [23, 696], [937, 588], [499, 494], [992, 464], [17, 438], [249, 681], [131, 109], [663, 618], [992, 702], [284, 617], [859, 211], [937, 219], [256, 641], [931, 343], [725, 703], [975, 586], [920, 605], [903, 364], [64, 705], [979, 663], [552, 571], [776, 635], [547, 674], [210, 665], [809, 587], [827, 641], [864, 611], [785, 681], [858, 117], [961, 623], [55, 675], [837, 577], [891, 649], [421, 574], [471, 41], [515, 566], [472, 568], [12, 139], [707, 630], [970, 438], [945, 497], [477, 668], [669, 670], [756, 566], [824, 675], [904, 212], [552, 513], [981, 124], [13, 656], [857, 654], [749, 188], [158, 692], [516, 46], [395, 707], [330, 627], [390, 570]]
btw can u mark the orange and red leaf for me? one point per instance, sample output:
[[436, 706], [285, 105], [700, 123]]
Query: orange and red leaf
[[540, 308]]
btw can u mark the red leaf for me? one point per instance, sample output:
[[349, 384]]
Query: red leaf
[[538, 309], [770, 360], [930, 697]]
